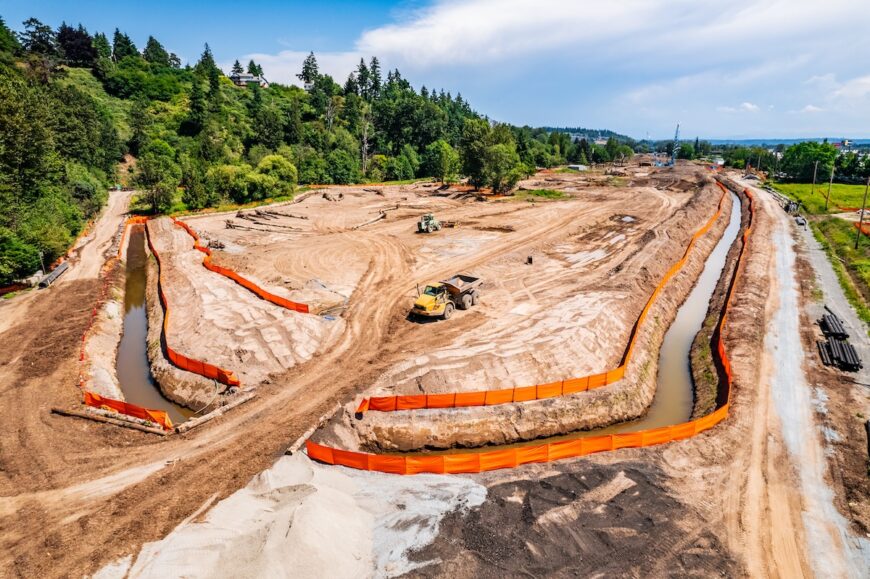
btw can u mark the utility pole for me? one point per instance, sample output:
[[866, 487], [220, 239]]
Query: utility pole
[[831, 182], [861, 219], [815, 169]]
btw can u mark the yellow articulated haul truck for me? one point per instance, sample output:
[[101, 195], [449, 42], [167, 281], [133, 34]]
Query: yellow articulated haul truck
[[442, 298]]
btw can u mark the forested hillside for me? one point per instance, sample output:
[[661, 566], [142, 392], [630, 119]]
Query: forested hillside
[[73, 104]]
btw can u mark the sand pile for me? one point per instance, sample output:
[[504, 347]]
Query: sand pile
[[301, 519]]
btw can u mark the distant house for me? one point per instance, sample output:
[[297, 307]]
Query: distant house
[[578, 167], [246, 79]]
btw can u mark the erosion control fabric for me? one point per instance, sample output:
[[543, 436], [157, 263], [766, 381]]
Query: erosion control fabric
[[512, 457]]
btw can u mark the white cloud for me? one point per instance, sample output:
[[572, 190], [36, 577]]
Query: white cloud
[[854, 89], [745, 107], [633, 65], [812, 109]]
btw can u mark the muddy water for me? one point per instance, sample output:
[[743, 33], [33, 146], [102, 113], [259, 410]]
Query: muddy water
[[134, 373], [674, 397]]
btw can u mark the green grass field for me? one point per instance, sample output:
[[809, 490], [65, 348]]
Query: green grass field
[[539, 195], [841, 196], [852, 266]]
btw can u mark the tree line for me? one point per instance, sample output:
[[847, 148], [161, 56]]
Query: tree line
[[72, 104]]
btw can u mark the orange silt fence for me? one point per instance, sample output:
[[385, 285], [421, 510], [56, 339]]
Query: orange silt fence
[[245, 283], [157, 416], [538, 391], [472, 462]]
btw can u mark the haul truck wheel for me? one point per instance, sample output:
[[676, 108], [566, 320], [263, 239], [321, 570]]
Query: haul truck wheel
[[448, 310], [475, 298], [466, 301]]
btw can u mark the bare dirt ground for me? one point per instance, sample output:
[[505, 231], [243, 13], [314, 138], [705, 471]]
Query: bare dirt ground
[[75, 495]]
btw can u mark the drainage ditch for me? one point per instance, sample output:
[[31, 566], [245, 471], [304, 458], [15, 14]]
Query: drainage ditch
[[674, 397], [134, 373]]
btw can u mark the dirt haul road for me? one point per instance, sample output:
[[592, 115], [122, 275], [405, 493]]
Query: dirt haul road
[[86, 257], [127, 488]]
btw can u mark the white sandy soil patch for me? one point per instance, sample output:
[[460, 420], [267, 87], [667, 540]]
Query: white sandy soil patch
[[301, 519], [217, 320]]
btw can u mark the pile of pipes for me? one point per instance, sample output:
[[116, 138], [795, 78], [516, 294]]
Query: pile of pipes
[[836, 350]]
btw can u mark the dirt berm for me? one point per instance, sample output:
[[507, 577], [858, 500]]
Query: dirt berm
[[186, 388], [622, 401]]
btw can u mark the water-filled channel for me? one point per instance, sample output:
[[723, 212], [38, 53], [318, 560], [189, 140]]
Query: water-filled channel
[[134, 374], [674, 397]]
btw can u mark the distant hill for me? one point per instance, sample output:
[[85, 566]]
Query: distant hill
[[589, 133], [759, 142]]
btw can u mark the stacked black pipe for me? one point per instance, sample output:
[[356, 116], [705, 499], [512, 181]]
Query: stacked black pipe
[[836, 350]]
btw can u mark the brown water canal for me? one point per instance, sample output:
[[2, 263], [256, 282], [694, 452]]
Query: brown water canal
[[674, 397], [134, 373]]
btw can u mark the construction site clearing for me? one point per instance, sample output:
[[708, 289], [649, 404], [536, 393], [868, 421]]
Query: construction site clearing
[[272, 327]]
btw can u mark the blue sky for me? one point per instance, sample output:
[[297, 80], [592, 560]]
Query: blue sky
[[743, 68]]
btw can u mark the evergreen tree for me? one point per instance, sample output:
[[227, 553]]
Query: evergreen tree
[[155, 53], [237, 68], [375, 76], [363, 79], [196, 114], [206, 67], [102, 46], [122, 46], [253, 68], [310, 71], [8, 41], [206, 62], [38, 38], [350, 85]]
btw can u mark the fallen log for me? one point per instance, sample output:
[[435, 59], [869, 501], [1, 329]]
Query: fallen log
[[281, 214], [109, 420], [320, 422], [382, 215], [194, 422]]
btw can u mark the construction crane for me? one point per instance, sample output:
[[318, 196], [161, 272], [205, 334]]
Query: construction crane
[[673, 160]]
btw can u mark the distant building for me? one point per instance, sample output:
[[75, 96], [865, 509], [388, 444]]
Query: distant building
[[578, 167], [246, 79], [600, 141], [719, 161]]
